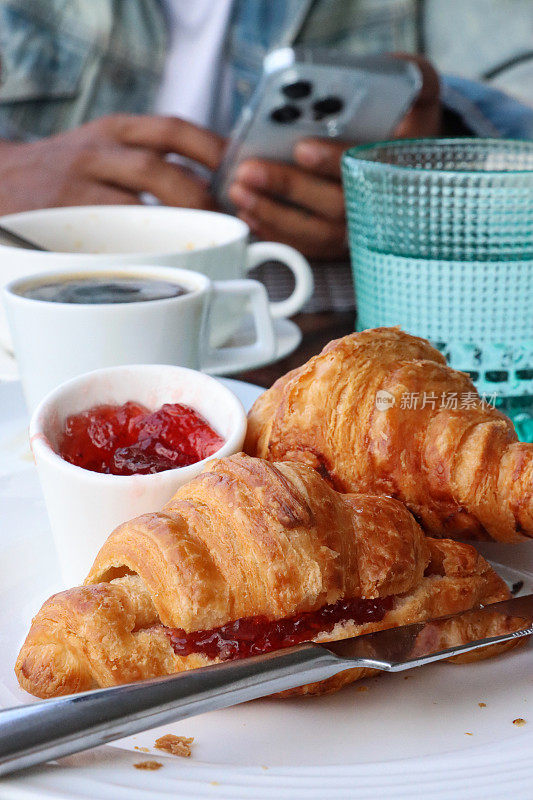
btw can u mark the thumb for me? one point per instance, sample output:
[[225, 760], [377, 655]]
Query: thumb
[[321, 156]]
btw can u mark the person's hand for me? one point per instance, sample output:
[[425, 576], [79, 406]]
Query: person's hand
[[303, 204], [110, 160]]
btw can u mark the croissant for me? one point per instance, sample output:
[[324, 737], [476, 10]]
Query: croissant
[[379, 411], [247, 549]]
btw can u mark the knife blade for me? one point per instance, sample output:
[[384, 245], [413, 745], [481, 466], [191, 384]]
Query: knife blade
[[409, 646]]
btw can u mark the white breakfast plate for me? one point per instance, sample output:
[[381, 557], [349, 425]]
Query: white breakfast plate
[[421, 734], [288, 337]]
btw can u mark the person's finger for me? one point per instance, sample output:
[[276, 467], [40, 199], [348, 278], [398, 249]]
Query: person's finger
[[319, 195], [323, 250], [321, 156], [143, 170], [315, 236], [430, 80], [168, 135], [96, 194], [424, 116]]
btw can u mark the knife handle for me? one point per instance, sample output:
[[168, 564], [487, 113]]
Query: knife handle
[[38, 732]]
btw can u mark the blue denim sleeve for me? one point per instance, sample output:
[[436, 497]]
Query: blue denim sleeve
[[485, 110]]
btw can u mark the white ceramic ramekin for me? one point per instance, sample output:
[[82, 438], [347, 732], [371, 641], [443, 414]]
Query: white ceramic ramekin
[[84, 506]]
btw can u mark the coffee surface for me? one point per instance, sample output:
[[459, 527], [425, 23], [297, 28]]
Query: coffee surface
[[95, 290]]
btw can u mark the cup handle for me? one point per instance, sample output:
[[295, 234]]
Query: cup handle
[[259, 252], [221, 360]]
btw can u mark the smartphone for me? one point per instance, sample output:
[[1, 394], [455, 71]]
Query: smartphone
[[317, 93]]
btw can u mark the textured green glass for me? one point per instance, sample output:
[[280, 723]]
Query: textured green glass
[[441, 240], [452, 199]]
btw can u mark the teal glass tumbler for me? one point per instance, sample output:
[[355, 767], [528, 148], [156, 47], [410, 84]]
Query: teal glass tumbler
[[441, 243]]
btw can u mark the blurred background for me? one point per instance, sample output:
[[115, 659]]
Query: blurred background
[[132, 101]]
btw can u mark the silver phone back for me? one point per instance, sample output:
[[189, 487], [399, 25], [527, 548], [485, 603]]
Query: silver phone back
[[373, 93]]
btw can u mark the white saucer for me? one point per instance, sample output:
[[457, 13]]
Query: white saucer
[[288, 336]]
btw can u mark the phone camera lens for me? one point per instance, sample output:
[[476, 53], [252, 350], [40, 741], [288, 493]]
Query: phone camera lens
[[298, 90], [285, 114], [327, 106]]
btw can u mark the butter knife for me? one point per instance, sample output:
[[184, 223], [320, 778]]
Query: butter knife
[[37, 732], [13, 239]]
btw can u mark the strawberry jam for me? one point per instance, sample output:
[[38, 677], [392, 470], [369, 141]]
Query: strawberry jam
[[130, 439], [253, 636]]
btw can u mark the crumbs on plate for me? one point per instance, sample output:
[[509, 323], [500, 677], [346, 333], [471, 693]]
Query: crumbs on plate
[[482, 705], [519, 721], [148, 765], [142, 749], [175, 745]]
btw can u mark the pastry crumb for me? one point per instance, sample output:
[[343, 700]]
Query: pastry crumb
[[142, 749], [362, 688], [263, 766], [214, 783], [468, 734], [519, 721], [149, 765], [482, 705], [175, 745]]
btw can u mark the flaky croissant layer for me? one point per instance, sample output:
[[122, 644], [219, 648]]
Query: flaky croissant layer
[[379, 411], [245, 538]]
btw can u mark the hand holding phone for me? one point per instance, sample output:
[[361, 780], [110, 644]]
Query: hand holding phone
[[298, 200], [300, 204], [307, 93]]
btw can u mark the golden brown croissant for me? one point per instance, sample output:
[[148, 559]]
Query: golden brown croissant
[[453, 460], [256, 542]]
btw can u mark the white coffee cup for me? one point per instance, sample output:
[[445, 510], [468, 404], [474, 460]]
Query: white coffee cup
[[84, 506], [205, 241], [57, 341]]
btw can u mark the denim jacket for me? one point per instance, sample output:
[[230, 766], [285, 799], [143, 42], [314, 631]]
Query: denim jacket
[[64, 62]]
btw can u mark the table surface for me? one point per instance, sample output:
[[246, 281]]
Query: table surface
[[318, 330]]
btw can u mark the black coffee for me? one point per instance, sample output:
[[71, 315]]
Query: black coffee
[[105, 289]]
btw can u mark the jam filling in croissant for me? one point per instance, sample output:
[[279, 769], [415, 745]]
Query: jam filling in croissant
[[252, 636]]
